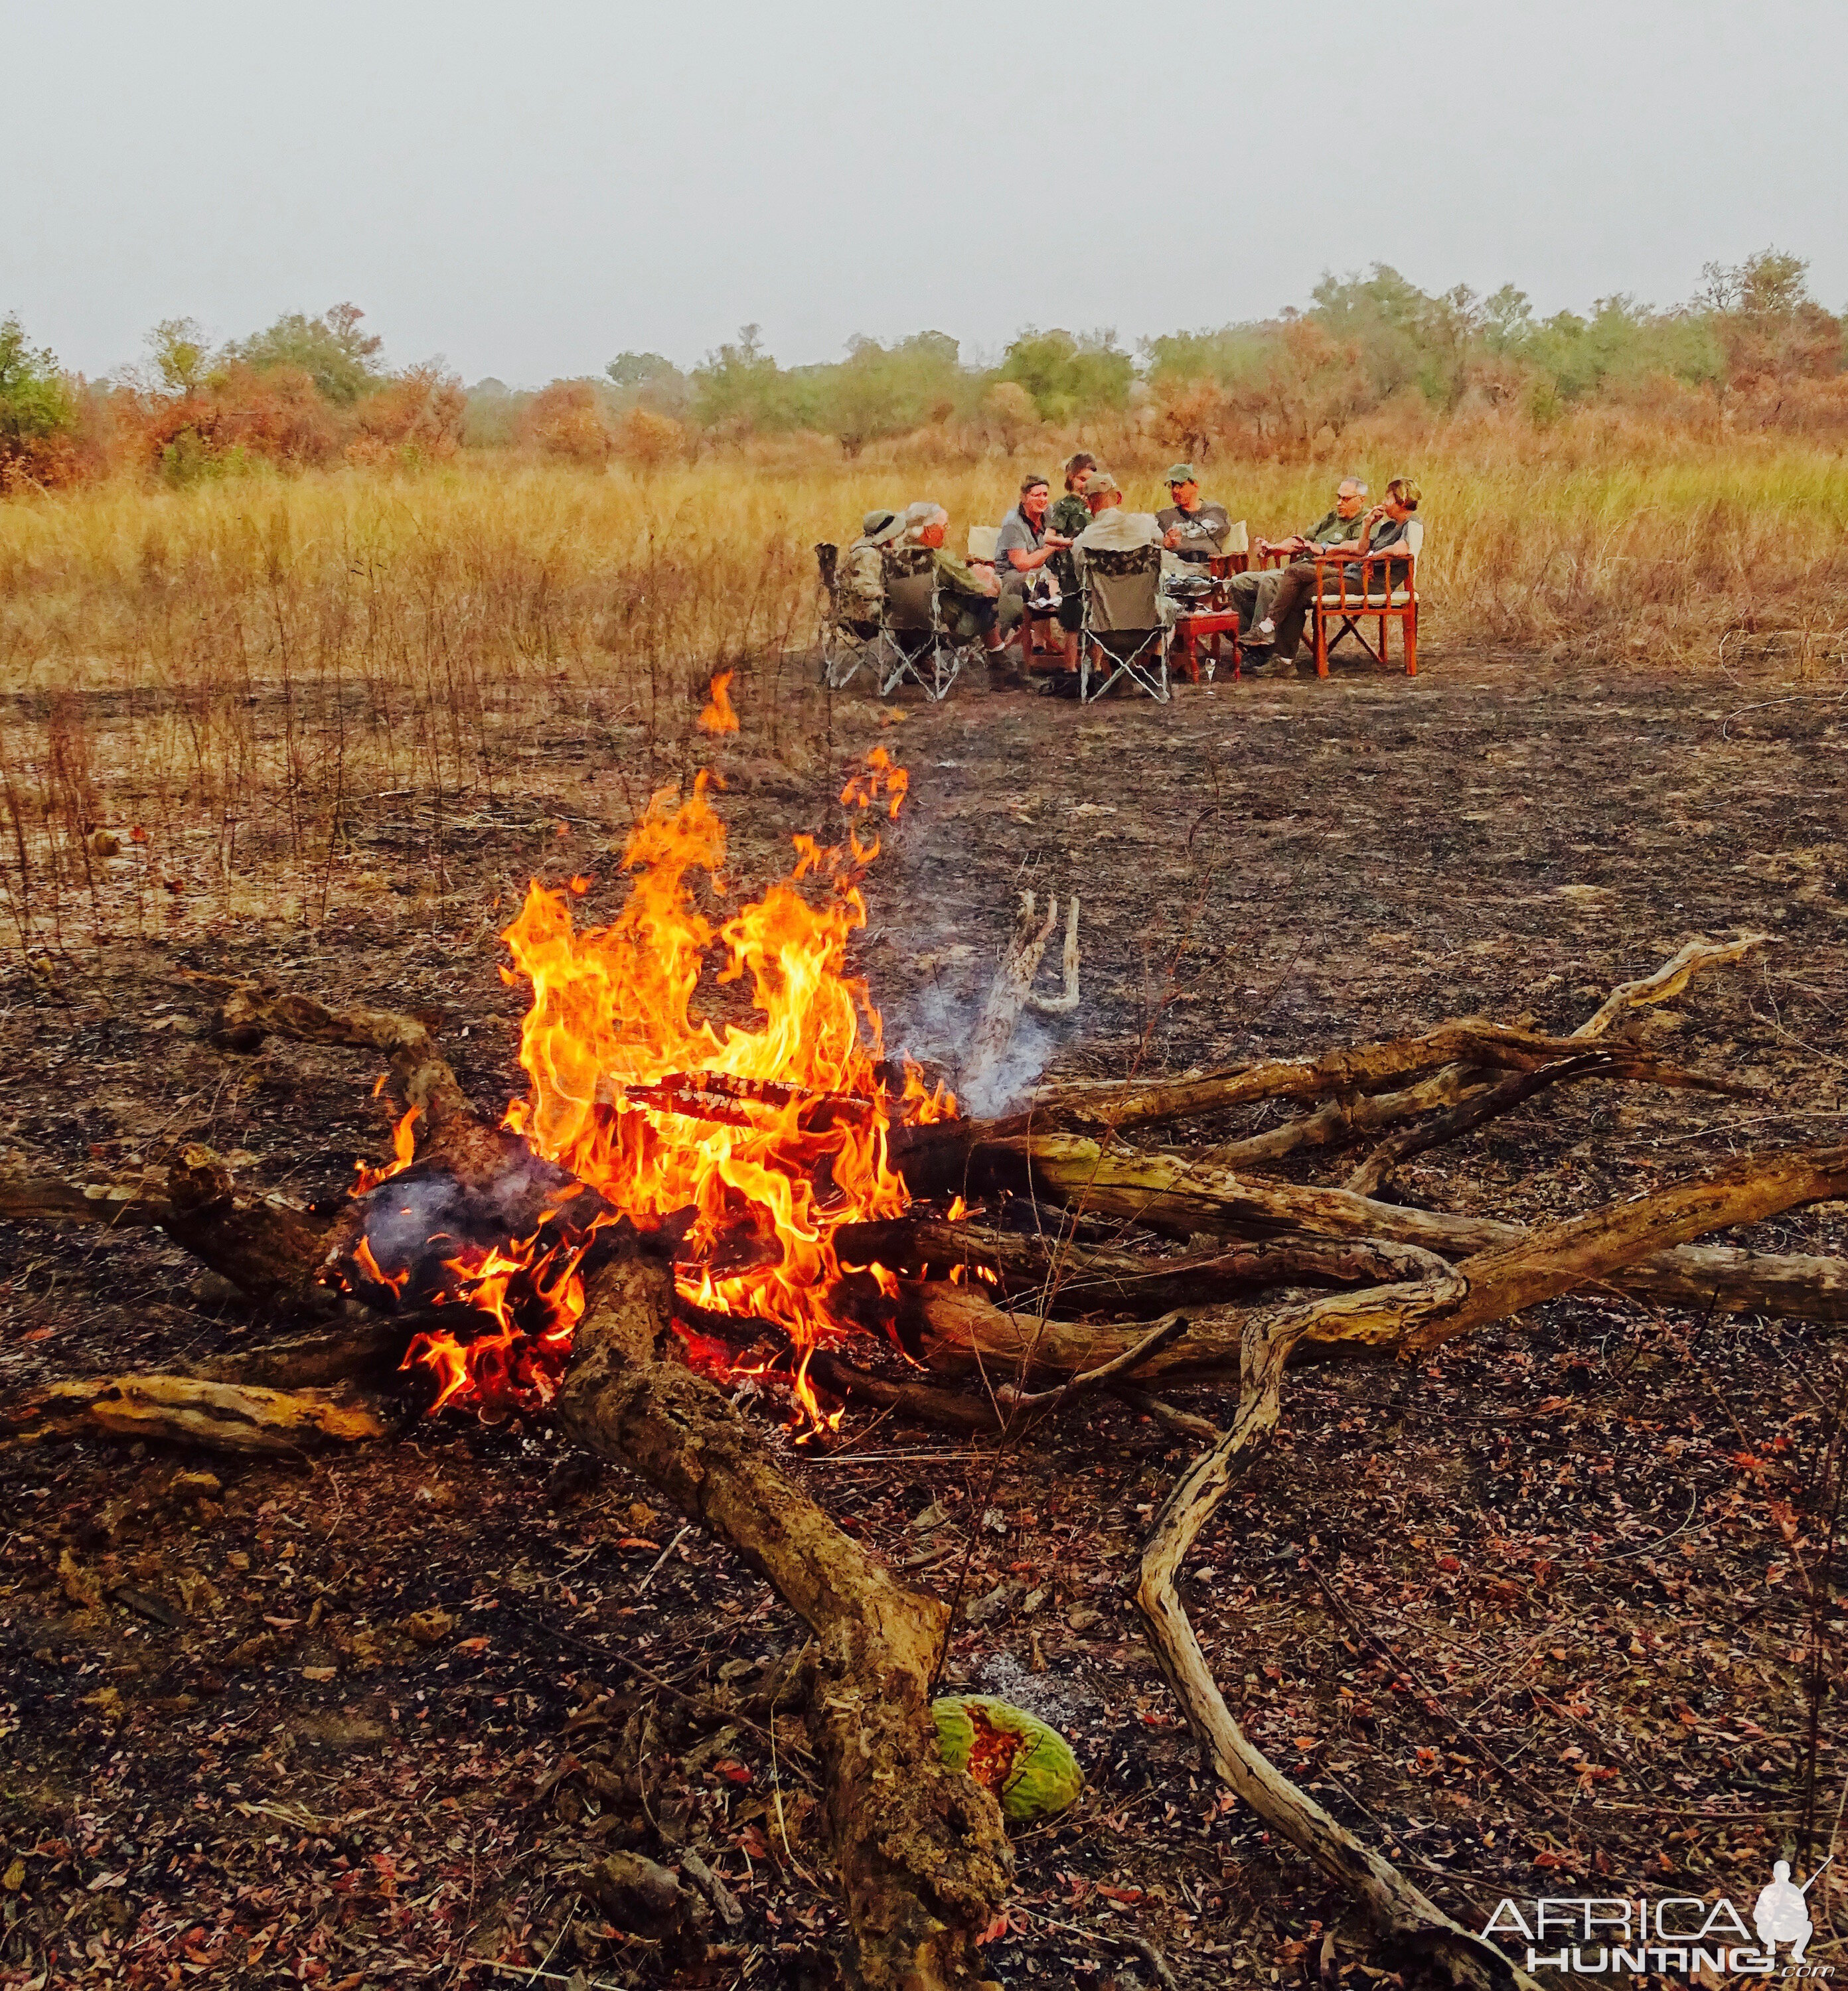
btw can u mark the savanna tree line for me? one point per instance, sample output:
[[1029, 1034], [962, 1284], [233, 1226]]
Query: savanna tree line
[[1752, 349]]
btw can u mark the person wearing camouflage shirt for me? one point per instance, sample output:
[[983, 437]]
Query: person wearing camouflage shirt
[[859, 586], [1066, 520]]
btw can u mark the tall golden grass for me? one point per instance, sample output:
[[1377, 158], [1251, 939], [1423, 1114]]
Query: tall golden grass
[[235, 669]]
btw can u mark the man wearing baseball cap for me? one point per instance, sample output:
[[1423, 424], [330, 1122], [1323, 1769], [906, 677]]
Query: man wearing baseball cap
[[1196, 530]]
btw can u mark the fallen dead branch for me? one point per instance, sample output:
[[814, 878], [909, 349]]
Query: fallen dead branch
[[918, 1847], [180, 1409]]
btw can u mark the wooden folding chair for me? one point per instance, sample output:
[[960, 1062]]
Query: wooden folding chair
[[1378, 593]]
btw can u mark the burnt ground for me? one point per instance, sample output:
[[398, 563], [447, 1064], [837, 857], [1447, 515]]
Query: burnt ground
[[1554, 1612]]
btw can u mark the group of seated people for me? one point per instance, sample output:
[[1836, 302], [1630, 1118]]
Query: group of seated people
[[1040, 554]]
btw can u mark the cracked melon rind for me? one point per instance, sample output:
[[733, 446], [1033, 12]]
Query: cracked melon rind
[[1042, 1776]]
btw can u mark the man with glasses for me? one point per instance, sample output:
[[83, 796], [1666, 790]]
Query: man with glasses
[[1195, 530], [1381, 528], [1254, 595]]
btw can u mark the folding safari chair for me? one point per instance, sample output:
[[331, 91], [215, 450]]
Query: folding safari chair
[[848, 641], [914, 639], [1378, 592], [1123, 626]]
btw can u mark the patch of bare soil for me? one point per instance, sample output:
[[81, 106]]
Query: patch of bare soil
[[1555, 1611]]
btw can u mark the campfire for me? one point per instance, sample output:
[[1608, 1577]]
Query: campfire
[[610, 1253], [748, 1148]]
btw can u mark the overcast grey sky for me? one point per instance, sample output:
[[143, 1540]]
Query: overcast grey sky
[[529, 189]]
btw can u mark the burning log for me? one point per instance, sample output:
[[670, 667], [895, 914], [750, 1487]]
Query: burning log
[[918, 1847], [1091, 1279], [420, 1077]]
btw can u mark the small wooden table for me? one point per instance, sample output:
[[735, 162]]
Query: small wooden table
[[1216, 623]]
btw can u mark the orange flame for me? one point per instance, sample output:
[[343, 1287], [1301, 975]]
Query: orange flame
[[771, 1126], [404, 1148], [718, 716]]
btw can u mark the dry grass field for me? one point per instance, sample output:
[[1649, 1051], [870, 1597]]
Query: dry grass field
[[232, 669], [1557, 1610]]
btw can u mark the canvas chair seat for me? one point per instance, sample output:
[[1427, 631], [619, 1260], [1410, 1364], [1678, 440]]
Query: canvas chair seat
[[1125, 618], [1356, 603], [914, 639], [848, 641]]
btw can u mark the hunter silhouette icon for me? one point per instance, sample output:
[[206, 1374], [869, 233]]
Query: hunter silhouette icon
[[1782, 1914]]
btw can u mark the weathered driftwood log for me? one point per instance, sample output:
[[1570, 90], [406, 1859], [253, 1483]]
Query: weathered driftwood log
[[1484, 1102], [182, 1410], [918, 1847], [987, 1049]]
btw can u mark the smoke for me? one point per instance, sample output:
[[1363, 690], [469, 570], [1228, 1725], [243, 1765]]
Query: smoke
[[415, 1220], [935, 1026]]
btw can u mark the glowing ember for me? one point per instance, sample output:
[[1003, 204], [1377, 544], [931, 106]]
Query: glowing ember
[[768, 1137]]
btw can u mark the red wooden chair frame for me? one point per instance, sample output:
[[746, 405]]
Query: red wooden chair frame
[[1352, 603]]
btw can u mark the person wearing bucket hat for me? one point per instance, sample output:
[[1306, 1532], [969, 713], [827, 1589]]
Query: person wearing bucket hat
[[860, 586], [1196, 529]]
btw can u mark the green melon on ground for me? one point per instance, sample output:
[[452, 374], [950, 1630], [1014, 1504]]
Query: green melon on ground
[[1028, 1766]]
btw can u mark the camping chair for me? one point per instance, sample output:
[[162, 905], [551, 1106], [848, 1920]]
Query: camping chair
[[847, 641], [914, 640], [1378, 592], [1123, 622]]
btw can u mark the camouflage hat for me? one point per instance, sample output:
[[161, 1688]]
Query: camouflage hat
[[877, 522], [1181, 473], [1100, 483]]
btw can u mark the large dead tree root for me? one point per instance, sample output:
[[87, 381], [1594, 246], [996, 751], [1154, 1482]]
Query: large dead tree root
[[1490, 1287], [923, 1862]]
